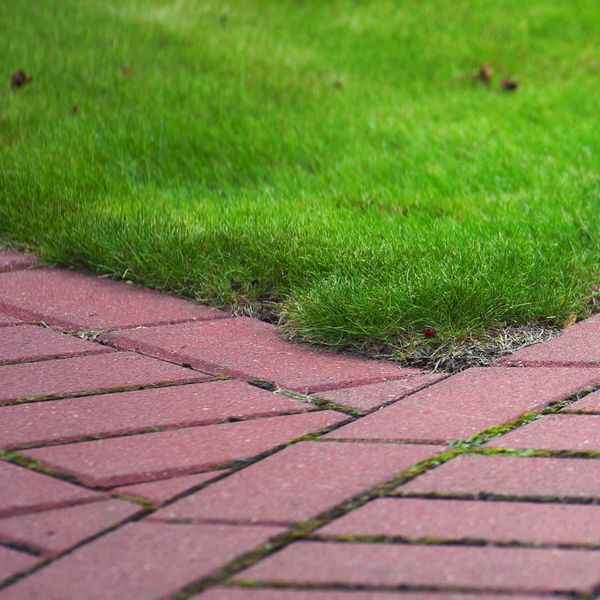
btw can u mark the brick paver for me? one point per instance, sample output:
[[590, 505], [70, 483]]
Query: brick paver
[[555, 432], [299, 482], [12, 260], [480, 526], [500, 569], [589, 403], [140, 561], [12, 561], [29, 342], [72, 300], [53, 531], [534, 523], [22, 490], [577, 345], [163, 490], [370, 396], [130, 412], [512, 476], [88, 374], [469, 402], [119, 461], [250, 349]]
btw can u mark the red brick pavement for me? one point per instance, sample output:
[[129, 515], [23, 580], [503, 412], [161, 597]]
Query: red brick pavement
[[129, 469]]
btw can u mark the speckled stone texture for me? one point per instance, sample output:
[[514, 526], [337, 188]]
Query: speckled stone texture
[[299, 482], [469, 402], [13, 260], [29, 342], [252, 350], [578, 346], [130, 412], [75, 301], [71, 376], [514, 569], [119, 461], [140, 561]]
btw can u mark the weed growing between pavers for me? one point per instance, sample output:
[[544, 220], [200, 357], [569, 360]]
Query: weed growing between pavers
[[323, 164]]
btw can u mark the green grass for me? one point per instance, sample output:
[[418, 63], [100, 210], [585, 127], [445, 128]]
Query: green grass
[[330, 163]]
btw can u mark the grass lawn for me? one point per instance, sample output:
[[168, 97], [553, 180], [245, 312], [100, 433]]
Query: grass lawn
[[335, 165]]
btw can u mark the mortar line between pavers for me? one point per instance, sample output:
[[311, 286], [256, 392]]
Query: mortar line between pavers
[[352, 587], [45, 561], [113, 390], [493, 497], [26, 361], [469, 542], [574, 364], [6, 542], [159, 429]]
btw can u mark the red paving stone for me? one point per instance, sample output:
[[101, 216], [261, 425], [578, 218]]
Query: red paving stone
[[73, 300], [589, 403], [243, 593], [140, 561], [577, 345], [499, 569], [12, 260], [22, 490], [555, 432], [535, 523], [67, 376], [129, 412], [30, 342], [469, 402], [53, 531], [6, 319], [367, 397], [119, 461], [161, 491], [299, 482], [250, 349], [12, 561], [509, 475]]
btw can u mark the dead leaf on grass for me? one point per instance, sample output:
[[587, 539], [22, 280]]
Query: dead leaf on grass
[[19, 79], [485, 74], [509, 85], [570, 321], [127, 71]]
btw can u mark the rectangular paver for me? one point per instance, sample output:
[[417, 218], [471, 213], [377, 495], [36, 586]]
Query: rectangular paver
[[140, 561], [503, 569], [513, 476], [13, 561], [53, 531], [88, 374], [163, 490], [23, 490], [13, 260], [589, 403], [30, 342], [469, 402], [251, 349], [299, 482], [554, 432], [77, 301], [578, 345], [129, 412], [530, 522], [372, 395], [119, 461]]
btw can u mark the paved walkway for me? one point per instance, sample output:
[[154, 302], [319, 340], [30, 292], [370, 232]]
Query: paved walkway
[[154, 448]]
